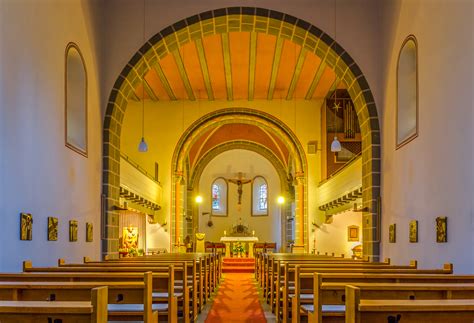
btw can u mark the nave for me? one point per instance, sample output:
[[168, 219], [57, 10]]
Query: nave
[[193, 288], [220, 160]]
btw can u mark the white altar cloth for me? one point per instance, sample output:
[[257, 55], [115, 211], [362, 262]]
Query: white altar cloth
[[229, 240], [239, 239]]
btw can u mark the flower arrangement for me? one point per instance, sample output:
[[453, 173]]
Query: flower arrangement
[[238, 248]]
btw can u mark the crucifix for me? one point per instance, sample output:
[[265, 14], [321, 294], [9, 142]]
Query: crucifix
[[239, 181]]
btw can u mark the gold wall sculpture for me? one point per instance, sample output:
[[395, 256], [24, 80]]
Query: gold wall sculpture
[[441, 229], [130, 238], [392, 233], [26, 226], [89, 232], [413, 231], [72, 230], [52, 228]]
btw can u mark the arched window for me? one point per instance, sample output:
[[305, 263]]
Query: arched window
[[407, 92], [259, 196], [219, 197]]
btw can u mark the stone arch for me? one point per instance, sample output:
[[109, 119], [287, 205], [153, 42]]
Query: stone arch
[[241, 116], [244, 19]]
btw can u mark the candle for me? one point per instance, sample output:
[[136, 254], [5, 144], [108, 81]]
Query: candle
[[253, 232], [225, 233]]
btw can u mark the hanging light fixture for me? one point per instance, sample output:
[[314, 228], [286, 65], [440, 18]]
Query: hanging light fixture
[[143, 146], [335, 145]]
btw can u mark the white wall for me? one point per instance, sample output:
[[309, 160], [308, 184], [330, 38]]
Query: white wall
[[332, 236], [432, 175], [227, 165], [38, 173]]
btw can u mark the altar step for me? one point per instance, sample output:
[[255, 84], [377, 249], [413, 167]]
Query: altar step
[[238, 265]]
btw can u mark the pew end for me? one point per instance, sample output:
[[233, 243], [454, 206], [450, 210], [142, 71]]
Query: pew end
[[387, 261], [449, 267], [86, 259], [99, 303], [27, 264], [61, 262], [414, 263], [352, 304]]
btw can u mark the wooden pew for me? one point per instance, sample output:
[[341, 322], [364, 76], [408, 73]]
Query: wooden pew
[[328, 290], [407, 311], [182, 268], [45, 311], [285, 276], [295, 275], [209, 267], [153, 283]]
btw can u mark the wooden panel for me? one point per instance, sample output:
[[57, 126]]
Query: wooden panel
[[325, 83], [263, 70], [308, 71], [193, 69], [215, 63], [289, 57], [170, 69], [240, 50], [156, 85]]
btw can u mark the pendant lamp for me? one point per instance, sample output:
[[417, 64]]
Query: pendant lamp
[[335, 145], [143, 146]]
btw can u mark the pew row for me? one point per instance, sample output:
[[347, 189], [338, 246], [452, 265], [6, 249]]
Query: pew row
[[94, 310]]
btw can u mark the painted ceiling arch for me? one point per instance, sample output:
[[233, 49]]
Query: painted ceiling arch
[[255, 21], [245, 124]]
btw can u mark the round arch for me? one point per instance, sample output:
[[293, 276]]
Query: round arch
[[256, 20], [240, 116]]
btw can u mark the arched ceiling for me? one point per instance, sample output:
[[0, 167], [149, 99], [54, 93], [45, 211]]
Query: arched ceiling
[[238, 66], [227, 133]]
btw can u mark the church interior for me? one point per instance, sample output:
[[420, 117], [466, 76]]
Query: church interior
[[242, 161]]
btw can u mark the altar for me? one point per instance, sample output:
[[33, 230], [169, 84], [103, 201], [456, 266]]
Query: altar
[[230, 240]]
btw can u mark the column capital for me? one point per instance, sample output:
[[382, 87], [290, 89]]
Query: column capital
[[300, 176]]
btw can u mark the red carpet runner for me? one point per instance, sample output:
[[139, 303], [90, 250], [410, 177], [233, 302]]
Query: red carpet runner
[[238, 265], [236, 301]]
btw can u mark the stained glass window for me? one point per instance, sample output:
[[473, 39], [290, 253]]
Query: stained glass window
[[216, 197], [262, 197]]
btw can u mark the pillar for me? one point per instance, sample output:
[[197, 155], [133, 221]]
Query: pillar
[[299, 217]]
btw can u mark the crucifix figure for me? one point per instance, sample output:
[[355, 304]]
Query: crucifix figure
[[239, 181]]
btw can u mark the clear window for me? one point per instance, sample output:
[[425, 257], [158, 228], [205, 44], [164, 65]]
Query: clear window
[[407, 92]]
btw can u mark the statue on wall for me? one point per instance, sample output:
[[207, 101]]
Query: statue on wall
[[239, 181]]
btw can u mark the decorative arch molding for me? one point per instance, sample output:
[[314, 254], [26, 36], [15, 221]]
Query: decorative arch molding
[[245, 145], [241, 116], [255, 20]]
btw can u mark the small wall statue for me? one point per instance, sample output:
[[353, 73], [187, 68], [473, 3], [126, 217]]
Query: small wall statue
[[89, 232], [73, 230], [392, 233], [413, 231], [52, 229], [26, 226], [441, 229]]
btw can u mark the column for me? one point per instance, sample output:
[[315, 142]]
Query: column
[[299, 217], [177, 207]]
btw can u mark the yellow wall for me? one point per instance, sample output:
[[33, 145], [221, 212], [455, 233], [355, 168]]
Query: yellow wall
[[165, 122]]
